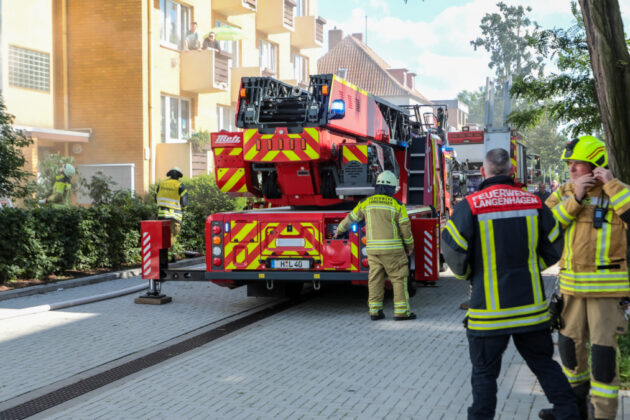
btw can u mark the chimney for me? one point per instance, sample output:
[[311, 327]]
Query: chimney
[[358, 36], [400, 75], [411, 78], [334, 36]]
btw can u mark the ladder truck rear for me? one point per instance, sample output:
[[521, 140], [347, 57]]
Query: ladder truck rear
[[310, 155]]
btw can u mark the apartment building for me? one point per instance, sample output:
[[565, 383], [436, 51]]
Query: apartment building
[[112, 82], [457, 113]]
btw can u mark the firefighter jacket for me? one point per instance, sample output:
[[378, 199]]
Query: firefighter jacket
[[387, 224], [171, 197], [594, 259], [61, 190], [501, 238]]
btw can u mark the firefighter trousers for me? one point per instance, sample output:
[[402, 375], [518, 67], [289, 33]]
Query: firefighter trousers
[[176, 227], [536, 347], [392, 265], [597, 321]]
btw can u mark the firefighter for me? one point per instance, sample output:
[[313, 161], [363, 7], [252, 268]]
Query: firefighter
[[593, 209], [501, 238], [62, 187], [389, 245], [171, 197]]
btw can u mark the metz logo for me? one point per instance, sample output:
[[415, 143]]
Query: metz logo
[[224, 139]]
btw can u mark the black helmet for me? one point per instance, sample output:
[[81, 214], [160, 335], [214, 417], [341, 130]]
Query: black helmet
[[175, 172]]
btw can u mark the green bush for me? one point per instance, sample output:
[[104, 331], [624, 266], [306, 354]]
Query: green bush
[[38, 242]]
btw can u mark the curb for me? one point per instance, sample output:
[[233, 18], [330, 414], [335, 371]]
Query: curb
[[97, 278]]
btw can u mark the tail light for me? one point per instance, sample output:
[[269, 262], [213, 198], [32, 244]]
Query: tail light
[[216, 229], [216, 261], [364, 261]]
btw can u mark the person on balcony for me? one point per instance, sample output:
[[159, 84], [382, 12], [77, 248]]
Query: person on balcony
[[192, 39], [210, 41]]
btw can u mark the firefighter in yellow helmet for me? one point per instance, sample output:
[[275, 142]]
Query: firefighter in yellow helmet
[[389, 244], [62, 187], [593, 210], [171, 198]]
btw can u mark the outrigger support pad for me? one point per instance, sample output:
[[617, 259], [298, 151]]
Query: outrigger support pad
[[153, 295]]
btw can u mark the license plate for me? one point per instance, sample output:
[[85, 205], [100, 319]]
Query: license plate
[[291, 264]]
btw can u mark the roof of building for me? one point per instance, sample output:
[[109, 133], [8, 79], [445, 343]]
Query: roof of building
[[365, 69]]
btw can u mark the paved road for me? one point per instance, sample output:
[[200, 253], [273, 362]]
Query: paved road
[[322, 359]]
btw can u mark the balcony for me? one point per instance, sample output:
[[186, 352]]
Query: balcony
[[276, 16], [205, 71], [234, 7], [309, 32]]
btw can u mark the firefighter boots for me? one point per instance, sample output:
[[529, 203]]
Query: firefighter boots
[[379, 315], [404, 318]]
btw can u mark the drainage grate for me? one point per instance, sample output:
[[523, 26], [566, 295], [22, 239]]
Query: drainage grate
[[61, 395]]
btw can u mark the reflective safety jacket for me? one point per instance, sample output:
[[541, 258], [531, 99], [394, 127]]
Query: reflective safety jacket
[[501, 238], [594, 260], [61, 190], [387, 224], [171, 197]]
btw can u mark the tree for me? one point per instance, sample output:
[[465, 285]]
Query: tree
[[568, 95], [505, 36], [475, 101], [13, 177], [544, 140], [610, 61]]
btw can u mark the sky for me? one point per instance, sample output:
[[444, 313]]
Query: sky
[[432, 37]]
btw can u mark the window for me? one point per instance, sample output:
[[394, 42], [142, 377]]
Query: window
[[268, 56], [342, 72], [225, 118], [175, 121], [301, 9], [175, 23], [300, 69], [29, 69], [230, 47]]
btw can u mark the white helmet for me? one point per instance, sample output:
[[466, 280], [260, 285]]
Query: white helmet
[[68, 170], [387, 178]]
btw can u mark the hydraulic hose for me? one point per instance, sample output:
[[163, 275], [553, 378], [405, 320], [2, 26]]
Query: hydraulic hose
[[73, 302]]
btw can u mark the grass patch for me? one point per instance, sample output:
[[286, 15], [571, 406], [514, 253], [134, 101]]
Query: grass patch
[[624, 360]]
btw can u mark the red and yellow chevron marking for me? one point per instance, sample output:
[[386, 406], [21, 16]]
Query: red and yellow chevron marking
[[354, 250], [310, 233], [513, 150], [355, 152], [227, 151], [281, 147], [231, 179], [242, 250]]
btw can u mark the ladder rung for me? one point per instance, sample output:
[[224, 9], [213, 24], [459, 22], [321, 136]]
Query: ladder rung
[[416, 172], [417, 154], [416, 188]]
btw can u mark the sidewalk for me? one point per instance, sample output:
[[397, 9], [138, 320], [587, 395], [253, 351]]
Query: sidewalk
[[322, 359]]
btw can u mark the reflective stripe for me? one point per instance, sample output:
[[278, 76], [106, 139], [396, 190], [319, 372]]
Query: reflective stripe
[[503, 313], [555, 232], [603, 390], [620, 199], [489, 264], [575, 378], [459, 239], [594, 276], [511, 323], [603, 244], [532, 235], [568, 247], [463, 276], [168, 202], [507, 214], [562, 215]]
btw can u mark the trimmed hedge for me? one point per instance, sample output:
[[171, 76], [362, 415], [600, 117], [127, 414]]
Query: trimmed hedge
[[35, 243]]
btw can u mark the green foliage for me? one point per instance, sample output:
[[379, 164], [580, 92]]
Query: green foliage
[[544, 140], [476, 102], [505, 36], [13, 177], [99, 188], [624, 360], [199, 140], [48, 170], [568, 96]]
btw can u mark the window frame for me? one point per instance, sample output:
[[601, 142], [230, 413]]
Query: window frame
[[28, 69], [301, 8], [235, 61], [165, 120], [303, 79], [342, 72], [226, 114], [183, 21], [274, 59]]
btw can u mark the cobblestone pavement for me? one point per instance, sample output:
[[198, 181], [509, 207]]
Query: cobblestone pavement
[[322, 359]]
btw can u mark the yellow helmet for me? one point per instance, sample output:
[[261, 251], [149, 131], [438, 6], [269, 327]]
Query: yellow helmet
[[586, 149], [387, 178]]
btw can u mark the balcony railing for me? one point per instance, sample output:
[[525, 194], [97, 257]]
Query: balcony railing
[[309, 32], [234, 7], [276, 16], [205, 71]]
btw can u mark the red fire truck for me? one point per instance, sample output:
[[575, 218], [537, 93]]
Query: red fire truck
[[311, 155]]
